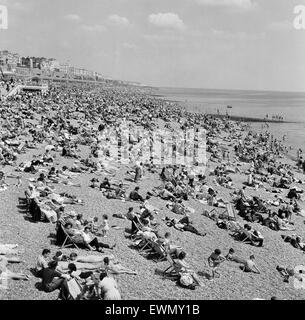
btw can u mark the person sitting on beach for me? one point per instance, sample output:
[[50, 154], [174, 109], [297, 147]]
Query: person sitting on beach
[[92, 242], [169, 247], [79, 222], [254, 236], [184, 224], [135, 196], [52, 279], [185, 271], [42, 262], [75, 234], [108, 287]]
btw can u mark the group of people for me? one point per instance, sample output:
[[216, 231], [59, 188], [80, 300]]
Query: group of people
[[72, 117]]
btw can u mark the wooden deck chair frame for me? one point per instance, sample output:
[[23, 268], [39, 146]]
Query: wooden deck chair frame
[[147, 248], [71, 295], [250, 237], [171, 270], [230, 211], [138, 227], [158, 250], [68, 238]]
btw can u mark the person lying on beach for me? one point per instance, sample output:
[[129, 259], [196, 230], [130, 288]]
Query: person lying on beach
[[232, 257], [214, 261], [9, 249], [184, 224], [5, 273], [116, 268], [169, 247], [295, 241], [117, 193], [250, 265]]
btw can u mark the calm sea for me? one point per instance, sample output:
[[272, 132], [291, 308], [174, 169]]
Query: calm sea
[[289, 105]]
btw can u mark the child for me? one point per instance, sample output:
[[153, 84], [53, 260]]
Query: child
[[214, 261], [95, 225], [104, 226]]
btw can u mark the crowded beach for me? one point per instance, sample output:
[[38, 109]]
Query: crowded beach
[[78, 222]]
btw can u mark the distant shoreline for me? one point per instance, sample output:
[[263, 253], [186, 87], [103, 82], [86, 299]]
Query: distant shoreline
[[223, 116]]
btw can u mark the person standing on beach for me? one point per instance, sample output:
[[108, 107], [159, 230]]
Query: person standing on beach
[[214, 261]]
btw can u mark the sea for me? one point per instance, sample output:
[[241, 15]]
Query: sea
[[257, 104]]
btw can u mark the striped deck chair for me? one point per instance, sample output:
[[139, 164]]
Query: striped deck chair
[[230, 212], [75, 290], [158, 250], [68, 242]]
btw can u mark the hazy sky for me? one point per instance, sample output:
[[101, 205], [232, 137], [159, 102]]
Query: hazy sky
[[230, 44]]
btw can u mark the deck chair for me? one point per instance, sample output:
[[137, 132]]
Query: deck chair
[[158, 250], [138, 227], [172, 270], [75, 290], [68, 242], [249, 237], [230, 212]]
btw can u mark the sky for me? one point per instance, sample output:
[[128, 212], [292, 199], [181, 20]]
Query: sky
[[217, 44]]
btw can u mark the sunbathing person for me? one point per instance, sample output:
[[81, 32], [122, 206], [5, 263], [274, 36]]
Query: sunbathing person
[[182, 268], [250, 265], [92, 242], [5, 273], [296, 241], [9, 249], [184, 224], [172, 249], [116, 268], [95, 259], [232, 257]]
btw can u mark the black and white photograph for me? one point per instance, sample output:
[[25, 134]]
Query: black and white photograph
[[152, 150]]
